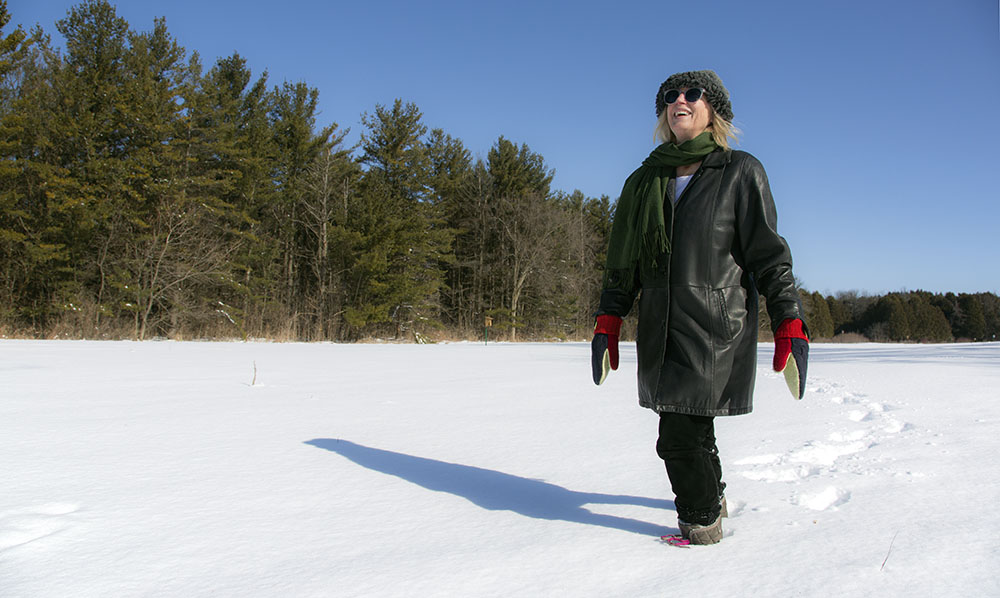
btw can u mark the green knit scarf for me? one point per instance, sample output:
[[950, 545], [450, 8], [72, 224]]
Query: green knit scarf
[[639, 232]]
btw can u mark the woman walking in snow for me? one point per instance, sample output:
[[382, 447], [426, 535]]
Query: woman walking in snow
[[694, 236]]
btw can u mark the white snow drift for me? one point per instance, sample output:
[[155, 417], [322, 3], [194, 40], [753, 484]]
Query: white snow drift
[[227, 469]]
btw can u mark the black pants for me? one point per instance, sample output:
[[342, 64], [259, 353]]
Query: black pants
[[687, 447]]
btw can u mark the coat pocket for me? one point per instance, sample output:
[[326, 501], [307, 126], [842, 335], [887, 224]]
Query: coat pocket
[[730, 311]]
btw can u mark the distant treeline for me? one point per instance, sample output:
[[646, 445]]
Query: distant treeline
[[909, 316], [142, 195]]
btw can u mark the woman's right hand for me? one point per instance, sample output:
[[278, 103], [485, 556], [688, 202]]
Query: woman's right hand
[[604, 347]]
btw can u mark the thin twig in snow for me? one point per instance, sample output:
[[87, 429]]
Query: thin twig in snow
[[889, 552]]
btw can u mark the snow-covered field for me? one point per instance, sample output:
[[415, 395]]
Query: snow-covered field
[[230, 469]]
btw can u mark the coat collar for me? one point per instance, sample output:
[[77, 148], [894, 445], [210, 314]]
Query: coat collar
[[717, 159]]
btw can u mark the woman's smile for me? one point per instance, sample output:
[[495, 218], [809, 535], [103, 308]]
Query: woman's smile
[[688, 120]]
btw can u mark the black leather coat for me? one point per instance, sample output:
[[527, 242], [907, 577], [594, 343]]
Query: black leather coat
[[697, 329]]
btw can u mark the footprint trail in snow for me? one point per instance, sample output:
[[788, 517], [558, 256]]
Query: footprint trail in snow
[[816, 470]]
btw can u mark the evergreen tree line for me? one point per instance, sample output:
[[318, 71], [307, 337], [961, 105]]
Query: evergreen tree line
[[143, 195], [916, 316]]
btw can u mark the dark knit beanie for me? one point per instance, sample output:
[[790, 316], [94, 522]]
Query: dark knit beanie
[[715, 92]]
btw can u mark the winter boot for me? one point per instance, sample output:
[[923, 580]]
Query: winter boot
[[724, 512], [702, 534]]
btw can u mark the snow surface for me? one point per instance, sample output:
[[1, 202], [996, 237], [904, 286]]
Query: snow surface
[[259, 469]]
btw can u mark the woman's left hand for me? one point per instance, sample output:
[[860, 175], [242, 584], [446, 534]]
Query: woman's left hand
[[790, 340]]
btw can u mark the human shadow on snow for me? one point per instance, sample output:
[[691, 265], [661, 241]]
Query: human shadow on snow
[[497, 491]]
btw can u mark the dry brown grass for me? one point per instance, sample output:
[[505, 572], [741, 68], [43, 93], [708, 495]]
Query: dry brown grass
[[849, 337]]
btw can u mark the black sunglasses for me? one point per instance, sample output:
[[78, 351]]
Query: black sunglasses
[[692, 95]]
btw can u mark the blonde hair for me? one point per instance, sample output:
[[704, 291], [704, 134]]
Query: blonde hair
[[723, 131]]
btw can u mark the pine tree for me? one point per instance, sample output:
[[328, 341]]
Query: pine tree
[[927, 322], [972, 323], [26, 257], [238, 113], [452, 191], [840, 315], [87, 205], [898, 318], [991, 309], [148, 268], [398, 272], [297, 146], [819, 317]]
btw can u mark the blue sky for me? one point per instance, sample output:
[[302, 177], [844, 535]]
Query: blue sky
[[876, 120]]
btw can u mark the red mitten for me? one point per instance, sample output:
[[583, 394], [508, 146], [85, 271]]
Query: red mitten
[[790, 340], [604, 347]]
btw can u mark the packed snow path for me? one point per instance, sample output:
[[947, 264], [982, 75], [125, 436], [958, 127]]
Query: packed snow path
[[259, 469]]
